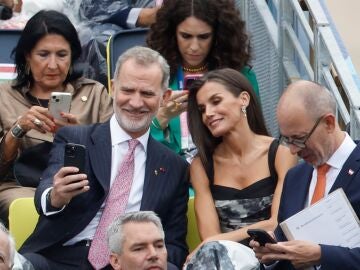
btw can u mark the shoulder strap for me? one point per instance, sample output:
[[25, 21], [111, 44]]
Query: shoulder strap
[[271, 158]]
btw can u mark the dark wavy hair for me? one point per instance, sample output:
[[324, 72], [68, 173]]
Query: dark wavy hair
[[234, 82], [230, 48], [43, 23]]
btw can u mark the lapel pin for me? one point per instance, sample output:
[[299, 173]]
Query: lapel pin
[[160, 170], [84, 98], [350, 172]]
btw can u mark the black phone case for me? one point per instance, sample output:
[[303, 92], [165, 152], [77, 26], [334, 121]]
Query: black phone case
[[74, 156], [261, 236]]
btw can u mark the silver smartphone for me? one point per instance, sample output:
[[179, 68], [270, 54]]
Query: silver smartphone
[[59, 102]]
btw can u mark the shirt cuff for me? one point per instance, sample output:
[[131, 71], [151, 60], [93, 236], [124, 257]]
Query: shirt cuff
[[133, 17], [44, 206]]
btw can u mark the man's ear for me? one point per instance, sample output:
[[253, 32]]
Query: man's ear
[[330, 121], [115, 261], [166, 96]]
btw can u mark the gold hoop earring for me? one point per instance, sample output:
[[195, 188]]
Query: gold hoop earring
[[243, 109]]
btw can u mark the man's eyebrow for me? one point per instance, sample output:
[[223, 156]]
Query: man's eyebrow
[[145, 243]]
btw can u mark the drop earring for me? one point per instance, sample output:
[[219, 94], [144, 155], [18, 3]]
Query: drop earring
[[243, 109]]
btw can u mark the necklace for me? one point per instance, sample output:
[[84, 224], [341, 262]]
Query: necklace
[[195, 70], [38, 102]]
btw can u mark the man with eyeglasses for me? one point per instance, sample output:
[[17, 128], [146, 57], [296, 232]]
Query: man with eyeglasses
[[307, 119]]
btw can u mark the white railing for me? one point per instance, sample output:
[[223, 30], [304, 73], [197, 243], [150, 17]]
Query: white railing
[[326, 64], [305, 47]]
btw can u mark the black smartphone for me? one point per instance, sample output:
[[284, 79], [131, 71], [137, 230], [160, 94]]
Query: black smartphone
[[261, 236], [189, 80], [74, 156]]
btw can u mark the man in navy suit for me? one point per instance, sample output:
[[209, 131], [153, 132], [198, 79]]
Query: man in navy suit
[[307, 119], [70, 203]]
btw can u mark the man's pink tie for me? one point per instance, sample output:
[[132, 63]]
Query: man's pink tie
[[115, 205]]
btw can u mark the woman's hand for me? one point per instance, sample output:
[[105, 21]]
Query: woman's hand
[[37, 118], [68, 119], [176, 104]]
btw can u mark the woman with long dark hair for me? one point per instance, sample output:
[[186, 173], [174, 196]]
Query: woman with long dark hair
[[195, 37], [239, 172]]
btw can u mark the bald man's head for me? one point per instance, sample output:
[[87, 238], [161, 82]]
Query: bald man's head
[[307, 120], [306, 97]]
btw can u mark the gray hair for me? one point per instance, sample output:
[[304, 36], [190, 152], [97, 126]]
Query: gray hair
[[11, 245], [115, 234], [146, 57]]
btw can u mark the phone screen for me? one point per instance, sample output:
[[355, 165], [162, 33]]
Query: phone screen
[[261, 236], [189, 80]]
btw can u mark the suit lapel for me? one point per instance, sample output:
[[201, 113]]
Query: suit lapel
[[100, 154], [153, 176], [348, 171], [301, 188]]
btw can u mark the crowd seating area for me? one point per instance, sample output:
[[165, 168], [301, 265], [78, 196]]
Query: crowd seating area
[[272, 75]]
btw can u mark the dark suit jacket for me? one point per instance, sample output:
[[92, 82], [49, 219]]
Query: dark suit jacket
[[295, 192], [165, 192]]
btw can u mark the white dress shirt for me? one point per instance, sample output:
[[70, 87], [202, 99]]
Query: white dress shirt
[[336, 161], [134, 15], [119, 143]]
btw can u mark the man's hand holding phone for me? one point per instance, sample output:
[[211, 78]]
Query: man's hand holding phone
[[259, 240], [70, 180], [67, 184]]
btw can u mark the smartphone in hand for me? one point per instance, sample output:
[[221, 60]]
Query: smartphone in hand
[[189, 79], [261, 236], [74, 156], [59, 102]]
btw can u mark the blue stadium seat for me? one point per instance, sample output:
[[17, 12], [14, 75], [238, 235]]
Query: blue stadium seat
[[8, 41], [119, 43]]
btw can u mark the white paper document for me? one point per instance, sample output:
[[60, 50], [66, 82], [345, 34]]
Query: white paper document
[[330, 221]]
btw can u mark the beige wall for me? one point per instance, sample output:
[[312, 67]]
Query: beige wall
[[346, 14]]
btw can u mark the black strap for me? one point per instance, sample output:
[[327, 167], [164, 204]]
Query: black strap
[[271, 163], [271, 159]]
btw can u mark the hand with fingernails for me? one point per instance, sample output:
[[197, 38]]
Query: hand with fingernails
[[37, 118], [176, 104], [40, 119]]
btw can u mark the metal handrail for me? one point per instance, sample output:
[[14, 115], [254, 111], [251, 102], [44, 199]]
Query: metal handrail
[[326, 55]]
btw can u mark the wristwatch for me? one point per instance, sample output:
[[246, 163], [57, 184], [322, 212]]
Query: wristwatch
[[17, 132], [49, 207]]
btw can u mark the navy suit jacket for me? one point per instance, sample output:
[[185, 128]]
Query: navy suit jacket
[[165, 191], [295, 192]]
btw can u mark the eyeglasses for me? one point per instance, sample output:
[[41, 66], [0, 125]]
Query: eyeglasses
[[301, 143]]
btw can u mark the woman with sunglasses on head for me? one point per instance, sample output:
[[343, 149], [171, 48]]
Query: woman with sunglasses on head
[[239, 171], [194, 37]]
